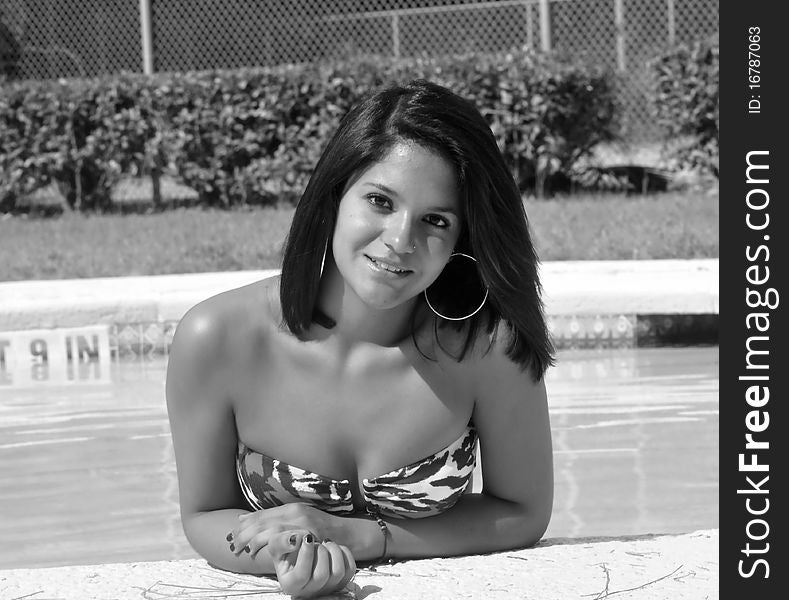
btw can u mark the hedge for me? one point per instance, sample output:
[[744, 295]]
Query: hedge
[[685, 100], [252, 136]]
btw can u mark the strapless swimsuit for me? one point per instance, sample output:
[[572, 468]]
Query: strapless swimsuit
[[424, 488]]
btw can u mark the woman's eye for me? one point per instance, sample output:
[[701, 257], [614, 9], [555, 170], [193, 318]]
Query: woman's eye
[[379, 201], [437, 220]]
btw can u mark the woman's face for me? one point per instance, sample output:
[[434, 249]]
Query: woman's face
[[397, 225]]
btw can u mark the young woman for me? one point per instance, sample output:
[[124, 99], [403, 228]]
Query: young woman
[[332, 414]]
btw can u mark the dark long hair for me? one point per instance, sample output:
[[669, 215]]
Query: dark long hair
[[495, 228]]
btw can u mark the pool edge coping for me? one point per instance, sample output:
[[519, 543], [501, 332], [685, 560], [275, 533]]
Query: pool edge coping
[[653, 566]]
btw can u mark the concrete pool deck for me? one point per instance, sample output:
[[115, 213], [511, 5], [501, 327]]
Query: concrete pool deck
[[588, 303], [642, 567]]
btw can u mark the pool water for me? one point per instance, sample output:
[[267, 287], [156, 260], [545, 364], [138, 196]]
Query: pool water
[[635, 438], [87, 473]]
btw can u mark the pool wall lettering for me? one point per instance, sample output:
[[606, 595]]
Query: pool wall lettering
[[77, 355]]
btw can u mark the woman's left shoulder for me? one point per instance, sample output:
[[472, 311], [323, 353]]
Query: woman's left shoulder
[[495, 374]]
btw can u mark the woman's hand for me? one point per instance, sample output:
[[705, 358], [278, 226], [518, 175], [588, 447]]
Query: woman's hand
[[306, 567], [256, 529]]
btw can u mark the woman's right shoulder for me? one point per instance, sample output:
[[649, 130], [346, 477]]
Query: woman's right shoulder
[[216, 330]]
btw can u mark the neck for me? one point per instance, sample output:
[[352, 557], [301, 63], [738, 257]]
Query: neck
[[354, 321]]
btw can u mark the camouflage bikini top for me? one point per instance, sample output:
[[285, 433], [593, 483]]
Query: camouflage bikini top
[[423, 488]]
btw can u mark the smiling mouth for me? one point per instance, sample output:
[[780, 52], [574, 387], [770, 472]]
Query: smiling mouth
[[388, 267]]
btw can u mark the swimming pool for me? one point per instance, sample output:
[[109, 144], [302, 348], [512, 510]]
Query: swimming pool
[[87, 473]]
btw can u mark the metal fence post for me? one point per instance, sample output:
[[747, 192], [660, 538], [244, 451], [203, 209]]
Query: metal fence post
[[545, 25], [619, 25], [672, 22], [147, 36], [396, 35]]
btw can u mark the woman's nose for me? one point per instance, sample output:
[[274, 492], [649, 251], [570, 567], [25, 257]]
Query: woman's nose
[[399, 235]]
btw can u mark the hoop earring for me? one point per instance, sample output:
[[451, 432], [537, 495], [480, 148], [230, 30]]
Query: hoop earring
[[323, 260], [468, 316]]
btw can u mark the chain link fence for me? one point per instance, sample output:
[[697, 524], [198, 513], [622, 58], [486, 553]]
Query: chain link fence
[[42, 39]]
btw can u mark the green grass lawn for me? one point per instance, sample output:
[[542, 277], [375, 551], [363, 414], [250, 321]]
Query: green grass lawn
[[670, 225]]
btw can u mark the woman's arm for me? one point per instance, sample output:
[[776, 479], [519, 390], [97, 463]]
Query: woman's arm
[[205, 439], [200, 380], [514, 508], [199, 384]]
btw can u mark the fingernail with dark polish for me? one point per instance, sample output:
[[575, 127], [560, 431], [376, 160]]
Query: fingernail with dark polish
[[232, 547], [229, 537], [246, 549], [326, 540], [308, 538], [292, 540]]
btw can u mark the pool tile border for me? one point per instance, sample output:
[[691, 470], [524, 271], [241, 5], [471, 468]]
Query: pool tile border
[[672, 330], [149, 339]]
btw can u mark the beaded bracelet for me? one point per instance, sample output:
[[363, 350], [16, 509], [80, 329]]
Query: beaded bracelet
[[384, 531]]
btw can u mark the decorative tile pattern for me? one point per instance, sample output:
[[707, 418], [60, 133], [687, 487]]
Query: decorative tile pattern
[[676, 330], [143, 340], [140, 340], [169, 332], [597, 331], [125, 339], [153, 338]]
